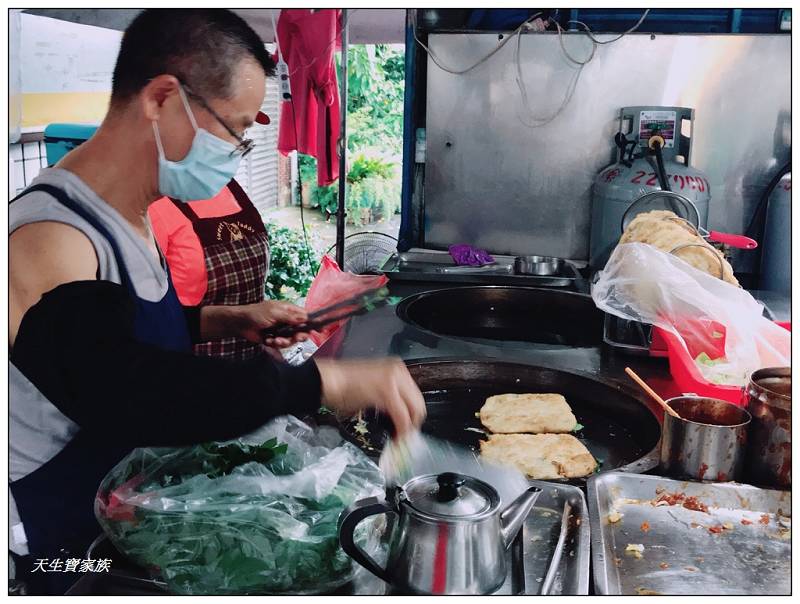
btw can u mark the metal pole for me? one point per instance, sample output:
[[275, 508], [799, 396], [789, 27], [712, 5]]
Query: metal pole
[[340, 212]]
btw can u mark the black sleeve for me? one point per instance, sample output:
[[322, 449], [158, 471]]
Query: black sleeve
[[192, 314], [77, 346]]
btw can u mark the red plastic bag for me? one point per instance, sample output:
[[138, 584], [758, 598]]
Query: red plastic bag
[[333, 285]]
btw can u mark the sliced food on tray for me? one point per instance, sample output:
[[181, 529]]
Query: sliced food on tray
[[531, 413], [541, 456]]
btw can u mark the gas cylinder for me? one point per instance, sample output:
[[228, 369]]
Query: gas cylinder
[[636, 172], [776, 266]]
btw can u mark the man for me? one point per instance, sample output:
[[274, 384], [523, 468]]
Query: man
[[100, 346]]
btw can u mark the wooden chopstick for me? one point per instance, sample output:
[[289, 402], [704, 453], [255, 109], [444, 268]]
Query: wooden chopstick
[[651, 392]]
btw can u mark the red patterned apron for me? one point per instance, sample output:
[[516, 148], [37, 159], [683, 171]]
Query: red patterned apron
[[237, 260]]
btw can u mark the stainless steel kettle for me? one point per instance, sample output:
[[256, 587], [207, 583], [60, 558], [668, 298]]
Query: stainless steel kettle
[[450, 537]]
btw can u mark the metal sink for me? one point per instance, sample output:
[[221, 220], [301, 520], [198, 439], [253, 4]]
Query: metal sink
[[505, 313]]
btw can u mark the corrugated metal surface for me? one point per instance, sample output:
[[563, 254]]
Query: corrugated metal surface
[[258, 172]]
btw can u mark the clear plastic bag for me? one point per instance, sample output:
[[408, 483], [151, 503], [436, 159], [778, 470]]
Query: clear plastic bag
[[254, 515], [721, 325]]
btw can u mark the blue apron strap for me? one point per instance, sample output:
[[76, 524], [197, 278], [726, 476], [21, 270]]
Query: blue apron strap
[[65, 200]]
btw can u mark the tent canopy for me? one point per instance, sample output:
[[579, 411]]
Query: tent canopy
[[367, 25]]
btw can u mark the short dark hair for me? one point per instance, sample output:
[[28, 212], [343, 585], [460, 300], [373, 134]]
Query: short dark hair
[[201, 47]]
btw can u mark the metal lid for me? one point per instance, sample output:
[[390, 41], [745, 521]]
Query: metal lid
[[450, 494]]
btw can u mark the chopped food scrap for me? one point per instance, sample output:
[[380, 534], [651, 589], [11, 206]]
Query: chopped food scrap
[[669, 499], [617, 561], [361, 426], [635, 549], [691, 569], [702, 471], [692, 503], [614, 517], [695, 525], [716, 530], [764, 519], [660, 490], [478, 414], [645, 526], [745, 521], [642, 591], [785, 521], [727, 526], [664, 566]]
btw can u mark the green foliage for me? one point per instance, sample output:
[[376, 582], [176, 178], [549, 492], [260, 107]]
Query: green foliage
[[292, 268], [363, 167], [375, 84], [373, 190], [236, 518], [307, 166], [375, 81]]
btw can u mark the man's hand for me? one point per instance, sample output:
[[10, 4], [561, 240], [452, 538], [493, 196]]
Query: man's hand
[[247, 321], [386, 385]]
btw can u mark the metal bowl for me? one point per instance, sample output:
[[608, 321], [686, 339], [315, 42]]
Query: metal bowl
[[542, 266]]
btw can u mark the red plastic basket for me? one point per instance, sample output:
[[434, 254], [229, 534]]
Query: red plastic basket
[[684, 370]]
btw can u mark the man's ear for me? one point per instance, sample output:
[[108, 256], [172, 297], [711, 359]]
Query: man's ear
[[155, 93]]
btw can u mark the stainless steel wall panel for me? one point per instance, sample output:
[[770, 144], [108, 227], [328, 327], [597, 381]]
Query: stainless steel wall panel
[[493, 182]]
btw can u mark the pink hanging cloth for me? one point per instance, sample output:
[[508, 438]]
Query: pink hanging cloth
[[308, 40]]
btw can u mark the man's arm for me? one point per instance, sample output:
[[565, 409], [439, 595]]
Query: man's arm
[[42, 256]]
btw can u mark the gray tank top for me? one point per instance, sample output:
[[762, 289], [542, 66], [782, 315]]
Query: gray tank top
[[37, 429]]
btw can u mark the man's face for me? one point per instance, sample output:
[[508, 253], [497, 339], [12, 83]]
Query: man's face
[[238, 112]]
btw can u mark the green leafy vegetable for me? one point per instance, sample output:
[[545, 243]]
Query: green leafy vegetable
[[578, 427], [237, 517], [704, 359]]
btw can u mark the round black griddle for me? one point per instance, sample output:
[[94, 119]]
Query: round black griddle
[[509, 314], [620, 430]]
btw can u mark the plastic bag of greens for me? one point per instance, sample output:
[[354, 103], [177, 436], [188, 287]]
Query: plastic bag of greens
[[254, 515]]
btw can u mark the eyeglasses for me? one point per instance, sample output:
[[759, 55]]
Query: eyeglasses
[[245, 144]]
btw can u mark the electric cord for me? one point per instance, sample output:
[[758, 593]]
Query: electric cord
[[571, 87], [531, 121], [589, 32], [290, 100], [300, 183], [480, 61]]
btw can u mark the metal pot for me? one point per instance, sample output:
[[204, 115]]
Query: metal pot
[[769, 454], [707, 442], [451, 536], [542, 266]]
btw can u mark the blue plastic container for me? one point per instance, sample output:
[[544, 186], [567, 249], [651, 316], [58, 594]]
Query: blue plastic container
[[60, 139]]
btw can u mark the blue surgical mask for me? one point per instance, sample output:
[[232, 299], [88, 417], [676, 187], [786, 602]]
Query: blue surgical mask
[[206, 169]]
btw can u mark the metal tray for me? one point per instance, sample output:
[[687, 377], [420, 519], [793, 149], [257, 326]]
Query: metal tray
[[529, 566], [681, 556], [436, 266]]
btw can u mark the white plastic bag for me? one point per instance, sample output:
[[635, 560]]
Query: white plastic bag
[[642, 283]]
